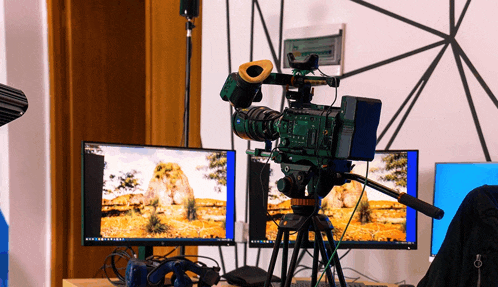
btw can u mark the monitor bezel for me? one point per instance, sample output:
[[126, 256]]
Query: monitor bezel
[[370, 244], [155, 242]]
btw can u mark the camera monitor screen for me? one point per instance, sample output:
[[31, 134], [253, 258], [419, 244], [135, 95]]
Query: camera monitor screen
[[379, 222], [453, 181], [139, 195]]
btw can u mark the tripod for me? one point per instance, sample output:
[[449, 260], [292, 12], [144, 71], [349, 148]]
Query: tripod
[[304, 218]]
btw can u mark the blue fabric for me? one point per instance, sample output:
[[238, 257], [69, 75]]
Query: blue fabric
[[4, 251]]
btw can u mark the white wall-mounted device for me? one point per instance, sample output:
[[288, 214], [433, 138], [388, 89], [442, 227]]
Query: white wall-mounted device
[[326, 41]]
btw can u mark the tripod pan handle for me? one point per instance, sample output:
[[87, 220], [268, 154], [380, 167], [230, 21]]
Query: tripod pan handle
[[421, 206]]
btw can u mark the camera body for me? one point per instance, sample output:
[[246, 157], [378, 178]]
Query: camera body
[[315, 133]]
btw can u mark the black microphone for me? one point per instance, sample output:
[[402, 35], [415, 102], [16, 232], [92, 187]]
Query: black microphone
[[13, 104], [189, 8]]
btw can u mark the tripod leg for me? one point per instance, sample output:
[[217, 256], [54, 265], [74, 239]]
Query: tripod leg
[[314, 270], [295, 253], [273, 259], [325, 256], [285, 253], [337, 262]]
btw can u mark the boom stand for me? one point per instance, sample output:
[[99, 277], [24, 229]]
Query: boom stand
[[304, 218]]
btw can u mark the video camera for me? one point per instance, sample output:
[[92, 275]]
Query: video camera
[[316, 141], [317, 144]]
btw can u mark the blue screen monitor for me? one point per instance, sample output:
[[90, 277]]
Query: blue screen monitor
[[380, 221], [453, 181], [140, 195]]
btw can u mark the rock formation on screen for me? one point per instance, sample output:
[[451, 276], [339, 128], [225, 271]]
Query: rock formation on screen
[[345, 195], [168, 184]]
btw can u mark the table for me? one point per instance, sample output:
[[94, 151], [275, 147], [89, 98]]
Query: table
[[102, 282]]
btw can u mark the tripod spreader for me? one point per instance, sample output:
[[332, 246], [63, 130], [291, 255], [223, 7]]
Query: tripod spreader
[[403, 198]]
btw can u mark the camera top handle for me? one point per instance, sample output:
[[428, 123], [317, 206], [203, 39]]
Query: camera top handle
[[243, 88]]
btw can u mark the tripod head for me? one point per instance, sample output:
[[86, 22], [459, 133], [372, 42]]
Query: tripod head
[[318, 180]]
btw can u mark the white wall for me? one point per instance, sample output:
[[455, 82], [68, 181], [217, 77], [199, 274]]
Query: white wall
[[29, 166], [440, 125]]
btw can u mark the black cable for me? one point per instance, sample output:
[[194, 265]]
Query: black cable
[[303, 268], [181, 257], [280, 34], [311, 255], [257, 256], [121, 254], [153, 257], [222, 260], [263, 187], [317, 207], [361, 274], [198, 256], [336, 79], [245, 116], [174, 249], [251, 52], [344, 255], [347, 225]]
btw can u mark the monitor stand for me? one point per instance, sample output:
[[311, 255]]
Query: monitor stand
[[145, 252]]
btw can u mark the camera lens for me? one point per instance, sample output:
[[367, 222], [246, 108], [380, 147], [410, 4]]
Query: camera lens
[[255, 123]]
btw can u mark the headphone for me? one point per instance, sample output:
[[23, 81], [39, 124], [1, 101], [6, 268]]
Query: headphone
[[208, 276], [145, 273]]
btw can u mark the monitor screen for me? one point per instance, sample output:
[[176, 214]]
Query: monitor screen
[[140, 195], [452, 182], [380, 222]]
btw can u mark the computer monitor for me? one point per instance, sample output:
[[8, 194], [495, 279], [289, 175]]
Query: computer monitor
[[380, 221], [140, 195], [452, 182]]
